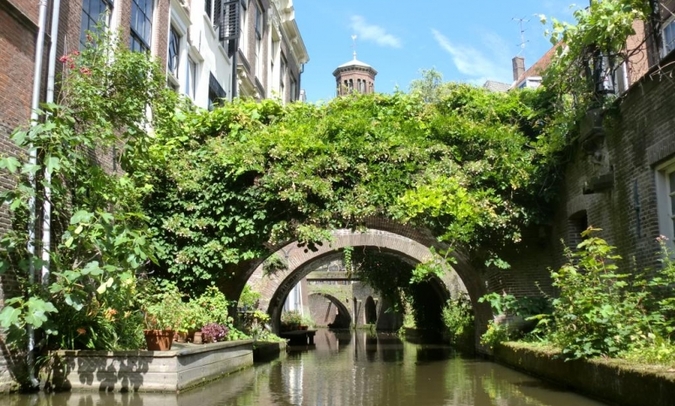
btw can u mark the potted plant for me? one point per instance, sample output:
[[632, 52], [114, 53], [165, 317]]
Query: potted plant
[[195, 317], [291, 320], [306, 323], [163, 314], [214, 332]]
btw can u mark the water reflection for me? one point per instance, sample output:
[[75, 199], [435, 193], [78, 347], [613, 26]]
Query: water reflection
[[345, 369]]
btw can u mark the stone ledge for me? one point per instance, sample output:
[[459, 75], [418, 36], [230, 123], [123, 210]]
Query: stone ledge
[[266, 351], [611, 381], [146, 371]]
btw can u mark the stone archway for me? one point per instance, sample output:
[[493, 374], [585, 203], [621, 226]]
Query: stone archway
[[300, 261], [334, 315]]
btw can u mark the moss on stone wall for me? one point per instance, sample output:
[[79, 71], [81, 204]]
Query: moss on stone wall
[[614, 381]]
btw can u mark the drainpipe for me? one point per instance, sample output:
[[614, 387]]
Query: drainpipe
[[47, 204], [233, 91], [32, 159]]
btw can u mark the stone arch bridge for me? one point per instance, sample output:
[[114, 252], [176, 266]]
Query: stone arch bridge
[[411, 247]]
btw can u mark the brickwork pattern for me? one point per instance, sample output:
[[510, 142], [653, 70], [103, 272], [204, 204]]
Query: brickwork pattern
[[324, 308], [18, 31], [639, 137]]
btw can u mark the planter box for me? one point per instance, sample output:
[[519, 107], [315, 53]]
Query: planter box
[[614, 381], [184, 366]]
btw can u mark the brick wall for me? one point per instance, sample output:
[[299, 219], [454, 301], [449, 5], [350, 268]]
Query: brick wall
[[18, 30], [638, 136], [18, 34]]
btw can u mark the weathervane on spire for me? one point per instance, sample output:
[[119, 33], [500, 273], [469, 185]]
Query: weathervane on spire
[[354, 44]]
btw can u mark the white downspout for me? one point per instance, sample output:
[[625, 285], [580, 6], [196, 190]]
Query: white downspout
[[47, 204], [35, 103]]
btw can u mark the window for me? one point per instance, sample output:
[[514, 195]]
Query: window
[[216, 92], [668, 34], [282, 78], [294, 90], [141, 25], [94, 12], [174, 52], [258, 22], [258, 41], [191, 79], [622, 81], [213, 9], [208, 8], [665, 188], [243, 22]]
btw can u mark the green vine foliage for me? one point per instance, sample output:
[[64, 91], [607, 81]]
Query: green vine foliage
[[601, 30], [474, 167], [98, 221], [604, 311], [458, 319]]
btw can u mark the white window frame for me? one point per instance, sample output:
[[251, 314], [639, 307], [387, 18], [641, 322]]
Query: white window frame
[[668, 45], [180, 22], [244, 28], [191, 78], [665, 196], [173, 72]]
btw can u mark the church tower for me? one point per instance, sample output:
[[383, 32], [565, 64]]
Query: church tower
[[354, 76]]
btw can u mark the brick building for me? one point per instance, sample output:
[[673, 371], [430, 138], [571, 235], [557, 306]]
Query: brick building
[[620, 176], [210, 49]]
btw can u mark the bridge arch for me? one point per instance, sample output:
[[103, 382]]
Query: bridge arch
[[301, 261], [343, 319]]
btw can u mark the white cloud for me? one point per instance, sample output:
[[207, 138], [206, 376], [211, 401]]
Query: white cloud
[[375, 33], [474, 63]]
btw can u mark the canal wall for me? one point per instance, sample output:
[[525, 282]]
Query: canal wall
[[148, 371], [614, 381]]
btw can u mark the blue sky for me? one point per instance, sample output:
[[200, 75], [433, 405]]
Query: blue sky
[[467, 41]]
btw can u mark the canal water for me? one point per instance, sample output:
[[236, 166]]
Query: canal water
[[348, 369]]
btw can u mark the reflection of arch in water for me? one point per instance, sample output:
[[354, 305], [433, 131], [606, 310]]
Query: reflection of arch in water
[[371, 311], [335, 315]]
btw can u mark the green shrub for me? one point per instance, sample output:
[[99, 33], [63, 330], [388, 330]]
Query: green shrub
[[495, 334], [458, 318], [600, 309]]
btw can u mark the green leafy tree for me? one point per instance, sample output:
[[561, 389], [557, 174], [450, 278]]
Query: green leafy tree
[[590, 50], [232, 183], [101, 239]]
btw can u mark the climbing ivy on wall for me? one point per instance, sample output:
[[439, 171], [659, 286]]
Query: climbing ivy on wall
[[474, 167], [596, 40]]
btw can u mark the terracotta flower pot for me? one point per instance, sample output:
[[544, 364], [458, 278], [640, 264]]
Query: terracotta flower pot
[[181, 337], [158, 340]]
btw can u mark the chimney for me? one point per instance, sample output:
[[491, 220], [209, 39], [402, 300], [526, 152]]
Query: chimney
[[518, 67]]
